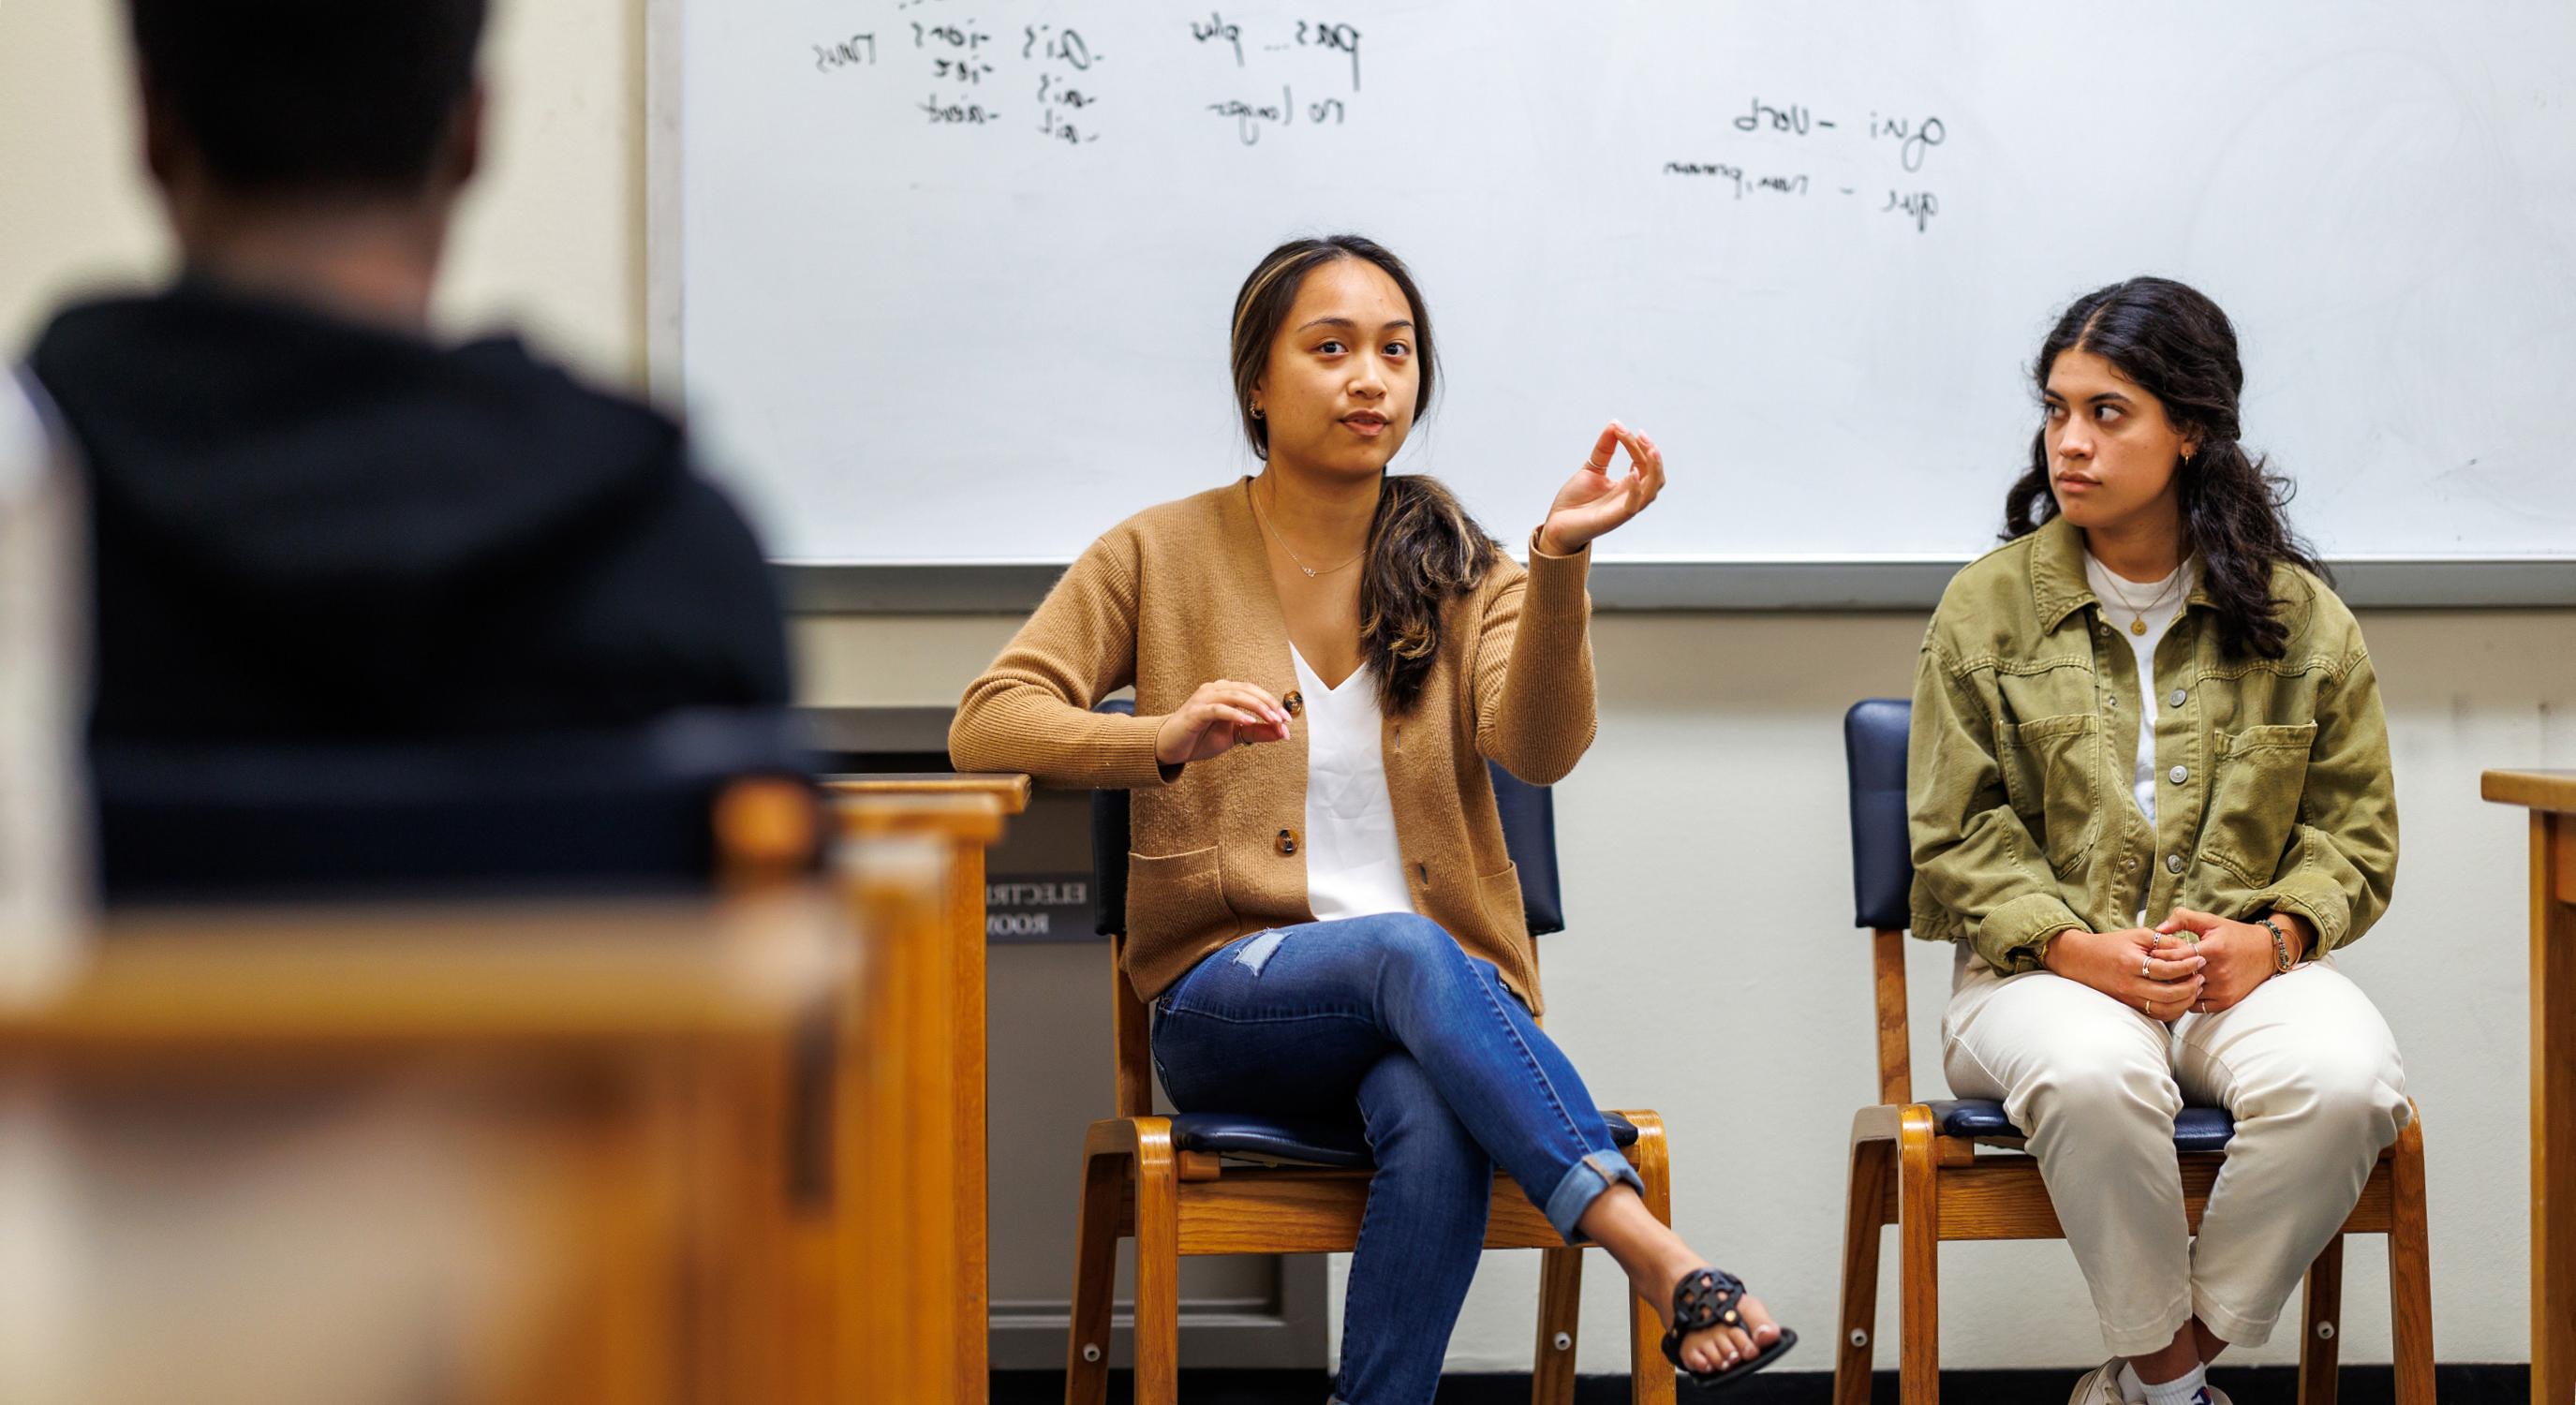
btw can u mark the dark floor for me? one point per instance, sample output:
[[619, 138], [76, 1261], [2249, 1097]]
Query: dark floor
[[2258, 1385]]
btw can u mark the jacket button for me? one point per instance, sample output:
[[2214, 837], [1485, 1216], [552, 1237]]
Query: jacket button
[[2129, 864], [2173, 863], [1287, 841], [2179, 774], [1294, 702], [2176, 700]]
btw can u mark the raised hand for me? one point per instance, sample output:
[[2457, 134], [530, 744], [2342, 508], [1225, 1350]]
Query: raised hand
[[1593, 503]]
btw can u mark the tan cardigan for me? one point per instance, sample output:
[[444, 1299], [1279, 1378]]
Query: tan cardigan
[[1181, 594]]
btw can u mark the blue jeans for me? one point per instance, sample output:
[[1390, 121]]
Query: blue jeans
[[1388, 1017]]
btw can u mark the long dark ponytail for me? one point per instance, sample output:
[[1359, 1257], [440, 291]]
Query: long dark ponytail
[[2179, 346], [1423, 548]]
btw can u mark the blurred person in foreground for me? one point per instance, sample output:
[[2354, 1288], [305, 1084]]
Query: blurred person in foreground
[[267, 504], [312, 518]]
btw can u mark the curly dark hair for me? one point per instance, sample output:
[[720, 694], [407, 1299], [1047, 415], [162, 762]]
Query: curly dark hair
[[1423, 548], [2178, 346]]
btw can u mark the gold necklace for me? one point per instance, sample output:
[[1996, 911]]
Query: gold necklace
[[2137, 612], [1262, 518]]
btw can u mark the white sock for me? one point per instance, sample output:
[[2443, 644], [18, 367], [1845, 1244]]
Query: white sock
[[2178, 1391], [2132, 1389]]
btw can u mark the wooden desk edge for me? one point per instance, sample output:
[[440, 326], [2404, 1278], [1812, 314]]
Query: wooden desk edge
[[2533, 790], [1010, 788]]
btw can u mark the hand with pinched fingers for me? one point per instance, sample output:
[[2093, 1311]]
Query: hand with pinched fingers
[[2130, 967], [1592, 503], [1217, 717]]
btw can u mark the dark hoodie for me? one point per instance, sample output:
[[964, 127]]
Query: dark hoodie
[[311, 529]]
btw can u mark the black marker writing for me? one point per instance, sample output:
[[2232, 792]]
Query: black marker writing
[[1217, 28], [857, 49]]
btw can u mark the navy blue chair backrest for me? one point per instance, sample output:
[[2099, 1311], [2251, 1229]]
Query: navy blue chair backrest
[[592, 811], [1529, 835], [1882, 855]]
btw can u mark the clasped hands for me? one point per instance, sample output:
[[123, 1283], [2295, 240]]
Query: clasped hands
[[2191, 963]]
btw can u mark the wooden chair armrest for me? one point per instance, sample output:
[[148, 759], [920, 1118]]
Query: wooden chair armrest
[[1141, 1137], [1009, 788]]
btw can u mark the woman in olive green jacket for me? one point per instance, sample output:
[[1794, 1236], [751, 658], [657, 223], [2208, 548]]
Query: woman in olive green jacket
[[2150, 792]]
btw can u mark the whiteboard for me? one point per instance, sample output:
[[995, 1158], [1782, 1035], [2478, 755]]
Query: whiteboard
[[948, 281]]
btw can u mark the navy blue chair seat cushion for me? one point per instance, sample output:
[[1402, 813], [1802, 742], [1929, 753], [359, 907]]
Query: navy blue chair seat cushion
[[2195, 1128], [1342, 1145]]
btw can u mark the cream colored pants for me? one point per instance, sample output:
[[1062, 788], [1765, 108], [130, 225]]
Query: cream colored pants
[[2305, 1063]]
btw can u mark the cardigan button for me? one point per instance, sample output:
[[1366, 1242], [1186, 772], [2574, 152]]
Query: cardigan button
[[1287, 841], [1294, 702]]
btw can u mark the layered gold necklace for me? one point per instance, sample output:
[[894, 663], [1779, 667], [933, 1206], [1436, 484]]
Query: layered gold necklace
[[2138, 613]]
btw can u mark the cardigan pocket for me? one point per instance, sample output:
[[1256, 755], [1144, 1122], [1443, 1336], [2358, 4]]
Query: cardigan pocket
[[1499, 894], [1176, 895], [2255, 789]]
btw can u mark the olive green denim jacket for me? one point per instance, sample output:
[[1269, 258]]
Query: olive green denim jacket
[[2274, 791]]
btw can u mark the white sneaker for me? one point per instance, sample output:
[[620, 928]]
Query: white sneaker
[[2100, 1386]]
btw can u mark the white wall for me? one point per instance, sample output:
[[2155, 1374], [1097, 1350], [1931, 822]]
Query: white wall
[[552, 237], [1711, 972]]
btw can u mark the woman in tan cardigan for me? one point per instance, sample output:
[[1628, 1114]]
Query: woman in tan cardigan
[[1320, 907]]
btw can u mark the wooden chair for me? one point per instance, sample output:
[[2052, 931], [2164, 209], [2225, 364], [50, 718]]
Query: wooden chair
[[1220, 1184], [1956, 1170]]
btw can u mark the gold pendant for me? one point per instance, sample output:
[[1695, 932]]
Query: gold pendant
[[2138, 625]]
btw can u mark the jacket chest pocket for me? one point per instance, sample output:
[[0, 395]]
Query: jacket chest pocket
[[2053, 775], [2258, 779]]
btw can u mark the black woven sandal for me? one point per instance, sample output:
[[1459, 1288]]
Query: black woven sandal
[[1706, 1298]]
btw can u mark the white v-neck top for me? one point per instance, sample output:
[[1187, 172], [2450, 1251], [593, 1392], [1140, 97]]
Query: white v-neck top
[[1354, 867]]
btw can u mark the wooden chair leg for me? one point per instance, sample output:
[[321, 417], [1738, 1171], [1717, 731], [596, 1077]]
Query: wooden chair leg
[[1918, 1236], [1650, 1376], [1095, 1277], [1864, 1216], [1158, 1265], [1560, 1303], [2321, 1327], [2410, 1270]]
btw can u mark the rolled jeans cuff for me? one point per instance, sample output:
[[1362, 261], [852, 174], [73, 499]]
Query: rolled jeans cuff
[[1583, 1183]]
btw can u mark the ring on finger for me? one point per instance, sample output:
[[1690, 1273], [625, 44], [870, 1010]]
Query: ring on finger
[[2145, 969]]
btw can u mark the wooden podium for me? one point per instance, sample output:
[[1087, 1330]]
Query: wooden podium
[[2550, 796], [922, 1269]]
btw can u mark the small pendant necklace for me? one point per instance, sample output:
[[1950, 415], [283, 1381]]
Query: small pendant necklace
[[1259, 516], [2137, 612]]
